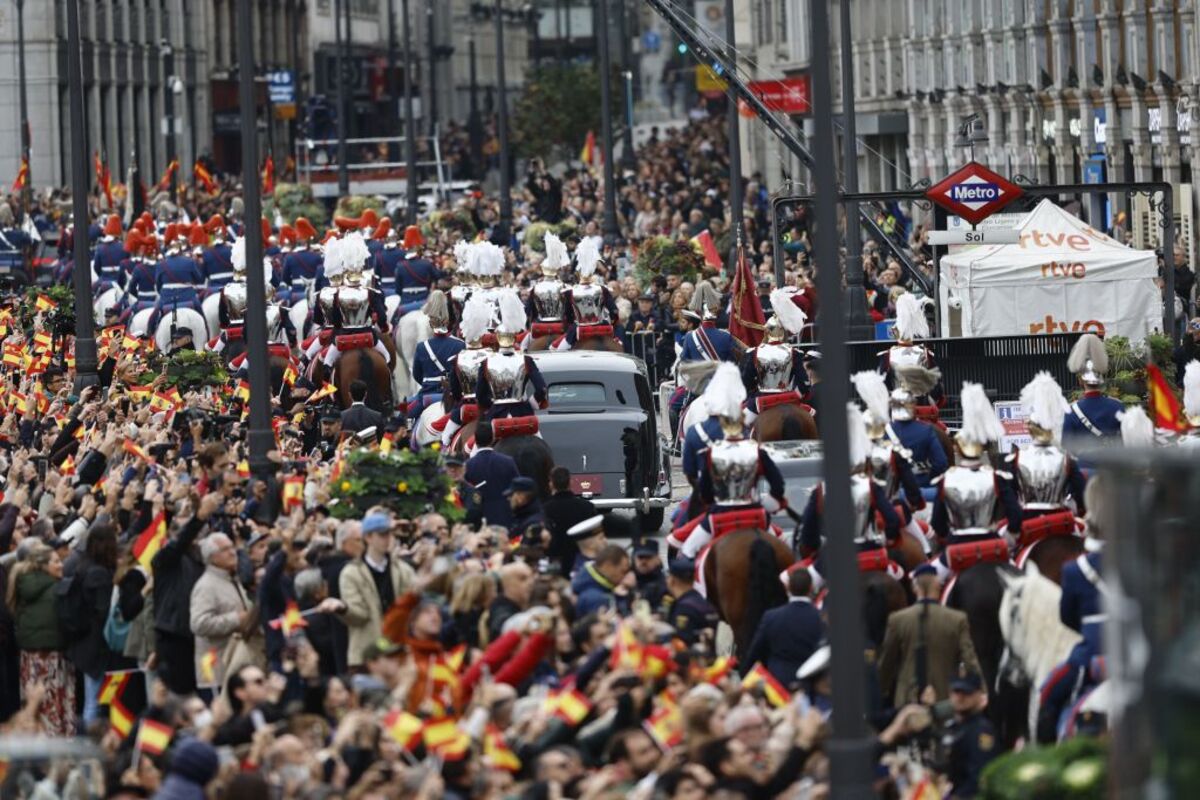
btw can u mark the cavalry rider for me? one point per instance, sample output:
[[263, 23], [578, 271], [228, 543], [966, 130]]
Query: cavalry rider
[[358, 308], [231, 310], [385, 260], [1082, 609], [108, 256], [280, 340], [1044, 472], [14, 241], [729, 482], [1095, 414], [465, 283], [871, 507], [591, 310], [415, 275], [465, 366], [774, 370], [911, 325], [218, 257], [918, 438], [300, 267], [505, 377], [178, 276], [431, 362], [704, 342], [972, 496], [547, 299], [140, 286]]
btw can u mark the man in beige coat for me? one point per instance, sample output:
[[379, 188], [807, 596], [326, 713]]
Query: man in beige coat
[[924, 645], [370, 584], [219, 608]]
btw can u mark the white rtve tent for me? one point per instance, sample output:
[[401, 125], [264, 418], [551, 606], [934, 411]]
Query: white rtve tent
[[1062, 276]]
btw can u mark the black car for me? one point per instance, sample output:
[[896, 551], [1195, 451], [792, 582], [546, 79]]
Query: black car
[[802, 467], [601, 425]]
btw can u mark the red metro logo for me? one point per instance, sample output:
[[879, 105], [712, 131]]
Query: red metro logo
[[974, 193]]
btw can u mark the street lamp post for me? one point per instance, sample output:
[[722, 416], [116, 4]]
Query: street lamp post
[[25, 144], [431, 78], [392, 89], [735, 134], [86, 373], [611, 229], [474, 124], [504, 227], [856, 293], [410, 131], [627, 159], [259, 437], [849, 749], [343, 122], [168, 59]]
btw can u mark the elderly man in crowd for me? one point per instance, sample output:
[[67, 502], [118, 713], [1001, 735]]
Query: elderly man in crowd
[[219, 609]]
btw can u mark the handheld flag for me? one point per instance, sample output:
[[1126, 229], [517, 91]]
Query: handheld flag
[[134, 449], [44, 303], [291, 621], [208, 665], [719, 669], [151, 540], [588, 154], [326, 390], [104, 179], [665, 726], [268, 176], [497, 751], [772, 689], [121, 718], [443, 737], [204, 178], [293, 492], [164, 183], [569, 704], [406, 729], [112, 687], [22, 176], [708, 247], [1165, 408], [747, 322], [153, 737]]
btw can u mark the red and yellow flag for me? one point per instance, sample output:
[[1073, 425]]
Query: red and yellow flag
[[112, 687], [22, 176], [291, 621], [588, 154], [208, 665], [568, 704], [772, 689], [204, 178], [1165, 408], [406, 729], [444, 738], [67, 467], [290, 375], [164, 183], [719, 669], [42, 342], [293, 492], [665, 726], [153, 737], [268, 175], [44, 303], [708, 248], [242, 392], [497, 751], [326, 390], [151, 540], [134, 449], [121, 718], [104, 179]]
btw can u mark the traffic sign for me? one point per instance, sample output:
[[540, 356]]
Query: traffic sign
[[974, 193], [281, 84], [983, 236]]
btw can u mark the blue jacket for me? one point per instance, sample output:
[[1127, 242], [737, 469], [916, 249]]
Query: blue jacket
[[721, 342], [489, 473], [786, 637], [1100, 411], [13, 242], [386, 264], [593, 592], [691, 615], [300, 266], [696, 443], [415, 277], [107, 259], [141, 284], [432, 360], [177, 278], [218, 265], [811, 526], [1081, 608], [920, 439]]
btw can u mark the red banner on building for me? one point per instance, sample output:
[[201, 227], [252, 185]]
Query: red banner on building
[[788, 96]]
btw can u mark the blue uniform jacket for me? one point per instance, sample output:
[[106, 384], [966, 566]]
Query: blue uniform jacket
[[696, 443], [432, 360], [720, 341], [785, 638], [1081, 608], [177, 278], [920, 439], [141, 283], [218, 265], [691, 614], [489, 473], [414, 278], [107, 259], [1101, 412], [300, 266], [386, 264], [594, 592]]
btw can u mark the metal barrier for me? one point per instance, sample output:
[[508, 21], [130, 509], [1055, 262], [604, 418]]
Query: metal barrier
[[644, 345]]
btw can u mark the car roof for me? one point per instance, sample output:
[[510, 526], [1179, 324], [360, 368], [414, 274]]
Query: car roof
[[574, 361]]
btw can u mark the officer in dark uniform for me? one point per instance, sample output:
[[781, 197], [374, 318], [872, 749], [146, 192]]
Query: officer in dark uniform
[[691, 615], [969, 742], [528, 522], [432, 359], [108, 256], [304, 262], [330, 431], [648, 569], [415, 276]]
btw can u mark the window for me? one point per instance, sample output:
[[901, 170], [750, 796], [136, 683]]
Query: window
[[591, 394]]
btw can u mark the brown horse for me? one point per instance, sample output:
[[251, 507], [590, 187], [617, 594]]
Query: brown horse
[[1051, 553], [366, 364], [540, 344], [461, 439], [907, 551], [785, 423], [881, 595], [741, 575]]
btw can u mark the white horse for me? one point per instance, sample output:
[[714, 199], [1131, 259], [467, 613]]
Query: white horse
[[139, 323], [1036, 640], [423, 433], [183, 318], [108, 298], [412, 329], [212, 311], [298, 313]]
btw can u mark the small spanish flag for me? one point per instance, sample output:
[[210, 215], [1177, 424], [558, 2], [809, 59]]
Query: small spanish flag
[[204, 178], [443, 737], [293, 492], [290, 375], [161, 401], [569, 704], [139, 393], [22, 176], [657, 661], [208, 665], [772, 689], [134, 449], [1165, 408], [406, 729], [326, 390], [387, 442], [455, 657], [153, 737], [291, 621], [19, 404], [627, 652], [588, 154], [164, 182], [121, 718], [242, 392], [41, 400], [14, 356], [497, 751], [111, 687], [665, 726], [151, 540], [243, 468], [42, 342], [719, 669], [44, 303], [67, 467], [130, 342]]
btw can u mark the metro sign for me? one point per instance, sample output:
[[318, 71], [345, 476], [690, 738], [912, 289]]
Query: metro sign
[[974, 193]]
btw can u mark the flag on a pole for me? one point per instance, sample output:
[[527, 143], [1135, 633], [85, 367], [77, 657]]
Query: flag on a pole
[[121, 718], [22, 176], [568, 704], [588, 154], [292, 620], [151, 540], [242, 392], [153, 737], [497, 751], [708, 247], [134, 449], [1165, 408], [665, 726], [268, 175], [204, 178], [290, 375], [293, 492], [208, 665], [112, 687], [405, 728], [747, 322], [443, 737], [772, 689], [164, 183], [719, 669], [44, 303], [326, 390]]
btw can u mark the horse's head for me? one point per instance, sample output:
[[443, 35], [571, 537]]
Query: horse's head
[[1012, 625]]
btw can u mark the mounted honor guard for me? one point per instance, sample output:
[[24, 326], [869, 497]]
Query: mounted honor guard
[[919, 439], [1191, 404], [703, 342], [140, 289], [890, 463], [911, 325], [876, 523], [506, 377], [486, 263], [1094, 414], [431, 362], [464, 280], [972, 496], [547, 300], [232, 308], [218, 257], [178, 276], [358, 318], [1045, 474], [331, 276], [774, 372], [460, 395], [415, 274], [302, 265], [387, 256], [591, 311], [108, 256], [280, 341], [729, 482]]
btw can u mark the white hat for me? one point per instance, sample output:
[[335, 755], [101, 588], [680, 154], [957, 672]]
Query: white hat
[[586, 529]]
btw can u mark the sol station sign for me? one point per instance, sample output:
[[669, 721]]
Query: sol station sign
[[974, 193]]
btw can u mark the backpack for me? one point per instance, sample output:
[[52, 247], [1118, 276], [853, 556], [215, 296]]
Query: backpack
[[116, 629], [70, 603]]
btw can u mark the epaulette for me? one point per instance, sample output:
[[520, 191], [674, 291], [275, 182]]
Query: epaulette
[[1006, 475]]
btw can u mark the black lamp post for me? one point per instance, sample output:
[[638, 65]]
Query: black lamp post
[[27, 187], [86, 373], [611, 230], [504, 227]]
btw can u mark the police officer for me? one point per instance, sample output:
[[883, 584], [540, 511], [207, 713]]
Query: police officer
[[489, 475], [648, 570], [433, 357], [970, 740], [1094, 415], [589, 538], [690, 614], [528, 522]]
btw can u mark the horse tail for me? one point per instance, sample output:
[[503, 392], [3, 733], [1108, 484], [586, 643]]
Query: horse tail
[[763, 590], [366, 374], [792, 428], [875, 610]]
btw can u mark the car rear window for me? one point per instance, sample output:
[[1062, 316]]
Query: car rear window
[[591, 394]]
